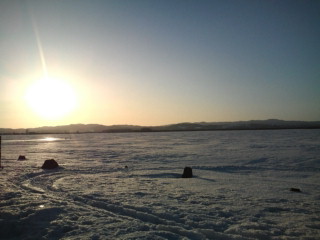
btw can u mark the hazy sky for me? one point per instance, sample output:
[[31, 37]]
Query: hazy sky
[[158, 62]]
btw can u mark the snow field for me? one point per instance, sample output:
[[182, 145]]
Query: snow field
[[241, 188]]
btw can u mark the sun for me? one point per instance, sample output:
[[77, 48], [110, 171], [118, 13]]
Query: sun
[[51, 98]]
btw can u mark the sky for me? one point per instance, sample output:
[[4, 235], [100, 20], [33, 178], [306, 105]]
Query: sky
[[148, 62]]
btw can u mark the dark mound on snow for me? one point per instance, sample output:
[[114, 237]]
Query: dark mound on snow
[[50, 164], [22, 158], [187, 172]]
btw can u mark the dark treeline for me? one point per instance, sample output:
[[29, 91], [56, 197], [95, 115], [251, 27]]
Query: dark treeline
[[271, 124]]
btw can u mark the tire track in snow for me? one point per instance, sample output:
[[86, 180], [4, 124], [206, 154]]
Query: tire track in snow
[[43, 183]]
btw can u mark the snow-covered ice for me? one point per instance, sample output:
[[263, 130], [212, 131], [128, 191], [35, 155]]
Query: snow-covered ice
[[240, 190]]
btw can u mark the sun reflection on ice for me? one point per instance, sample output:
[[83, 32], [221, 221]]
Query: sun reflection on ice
[[49, 139]]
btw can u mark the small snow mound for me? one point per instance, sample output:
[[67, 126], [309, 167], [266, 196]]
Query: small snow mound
[[187, 172], [50, 164], [295, 190], [22, 158]]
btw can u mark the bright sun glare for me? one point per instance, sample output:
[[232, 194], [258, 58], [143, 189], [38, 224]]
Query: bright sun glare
[[51, 98]]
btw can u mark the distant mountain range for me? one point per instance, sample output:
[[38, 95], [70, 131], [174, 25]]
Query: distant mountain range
[[187, 126]]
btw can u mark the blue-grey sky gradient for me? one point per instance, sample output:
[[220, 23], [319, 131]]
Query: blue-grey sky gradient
[[159, 62]]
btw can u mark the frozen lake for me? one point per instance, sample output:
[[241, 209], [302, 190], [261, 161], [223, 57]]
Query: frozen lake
[[240, 190]]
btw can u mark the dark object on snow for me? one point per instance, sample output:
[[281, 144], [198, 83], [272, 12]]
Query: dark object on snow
[[50, 164], [187, 172], [295, 190], [22, 157]]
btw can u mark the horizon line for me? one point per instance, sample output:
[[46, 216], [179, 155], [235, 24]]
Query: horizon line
[[185, 122]]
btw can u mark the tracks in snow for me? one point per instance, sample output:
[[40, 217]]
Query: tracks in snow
[[85, 205]]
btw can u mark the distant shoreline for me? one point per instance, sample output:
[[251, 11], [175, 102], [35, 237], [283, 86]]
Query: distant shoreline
[[271, 124]]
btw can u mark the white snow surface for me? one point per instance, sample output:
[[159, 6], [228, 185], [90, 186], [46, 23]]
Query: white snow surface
[[240, 189]]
